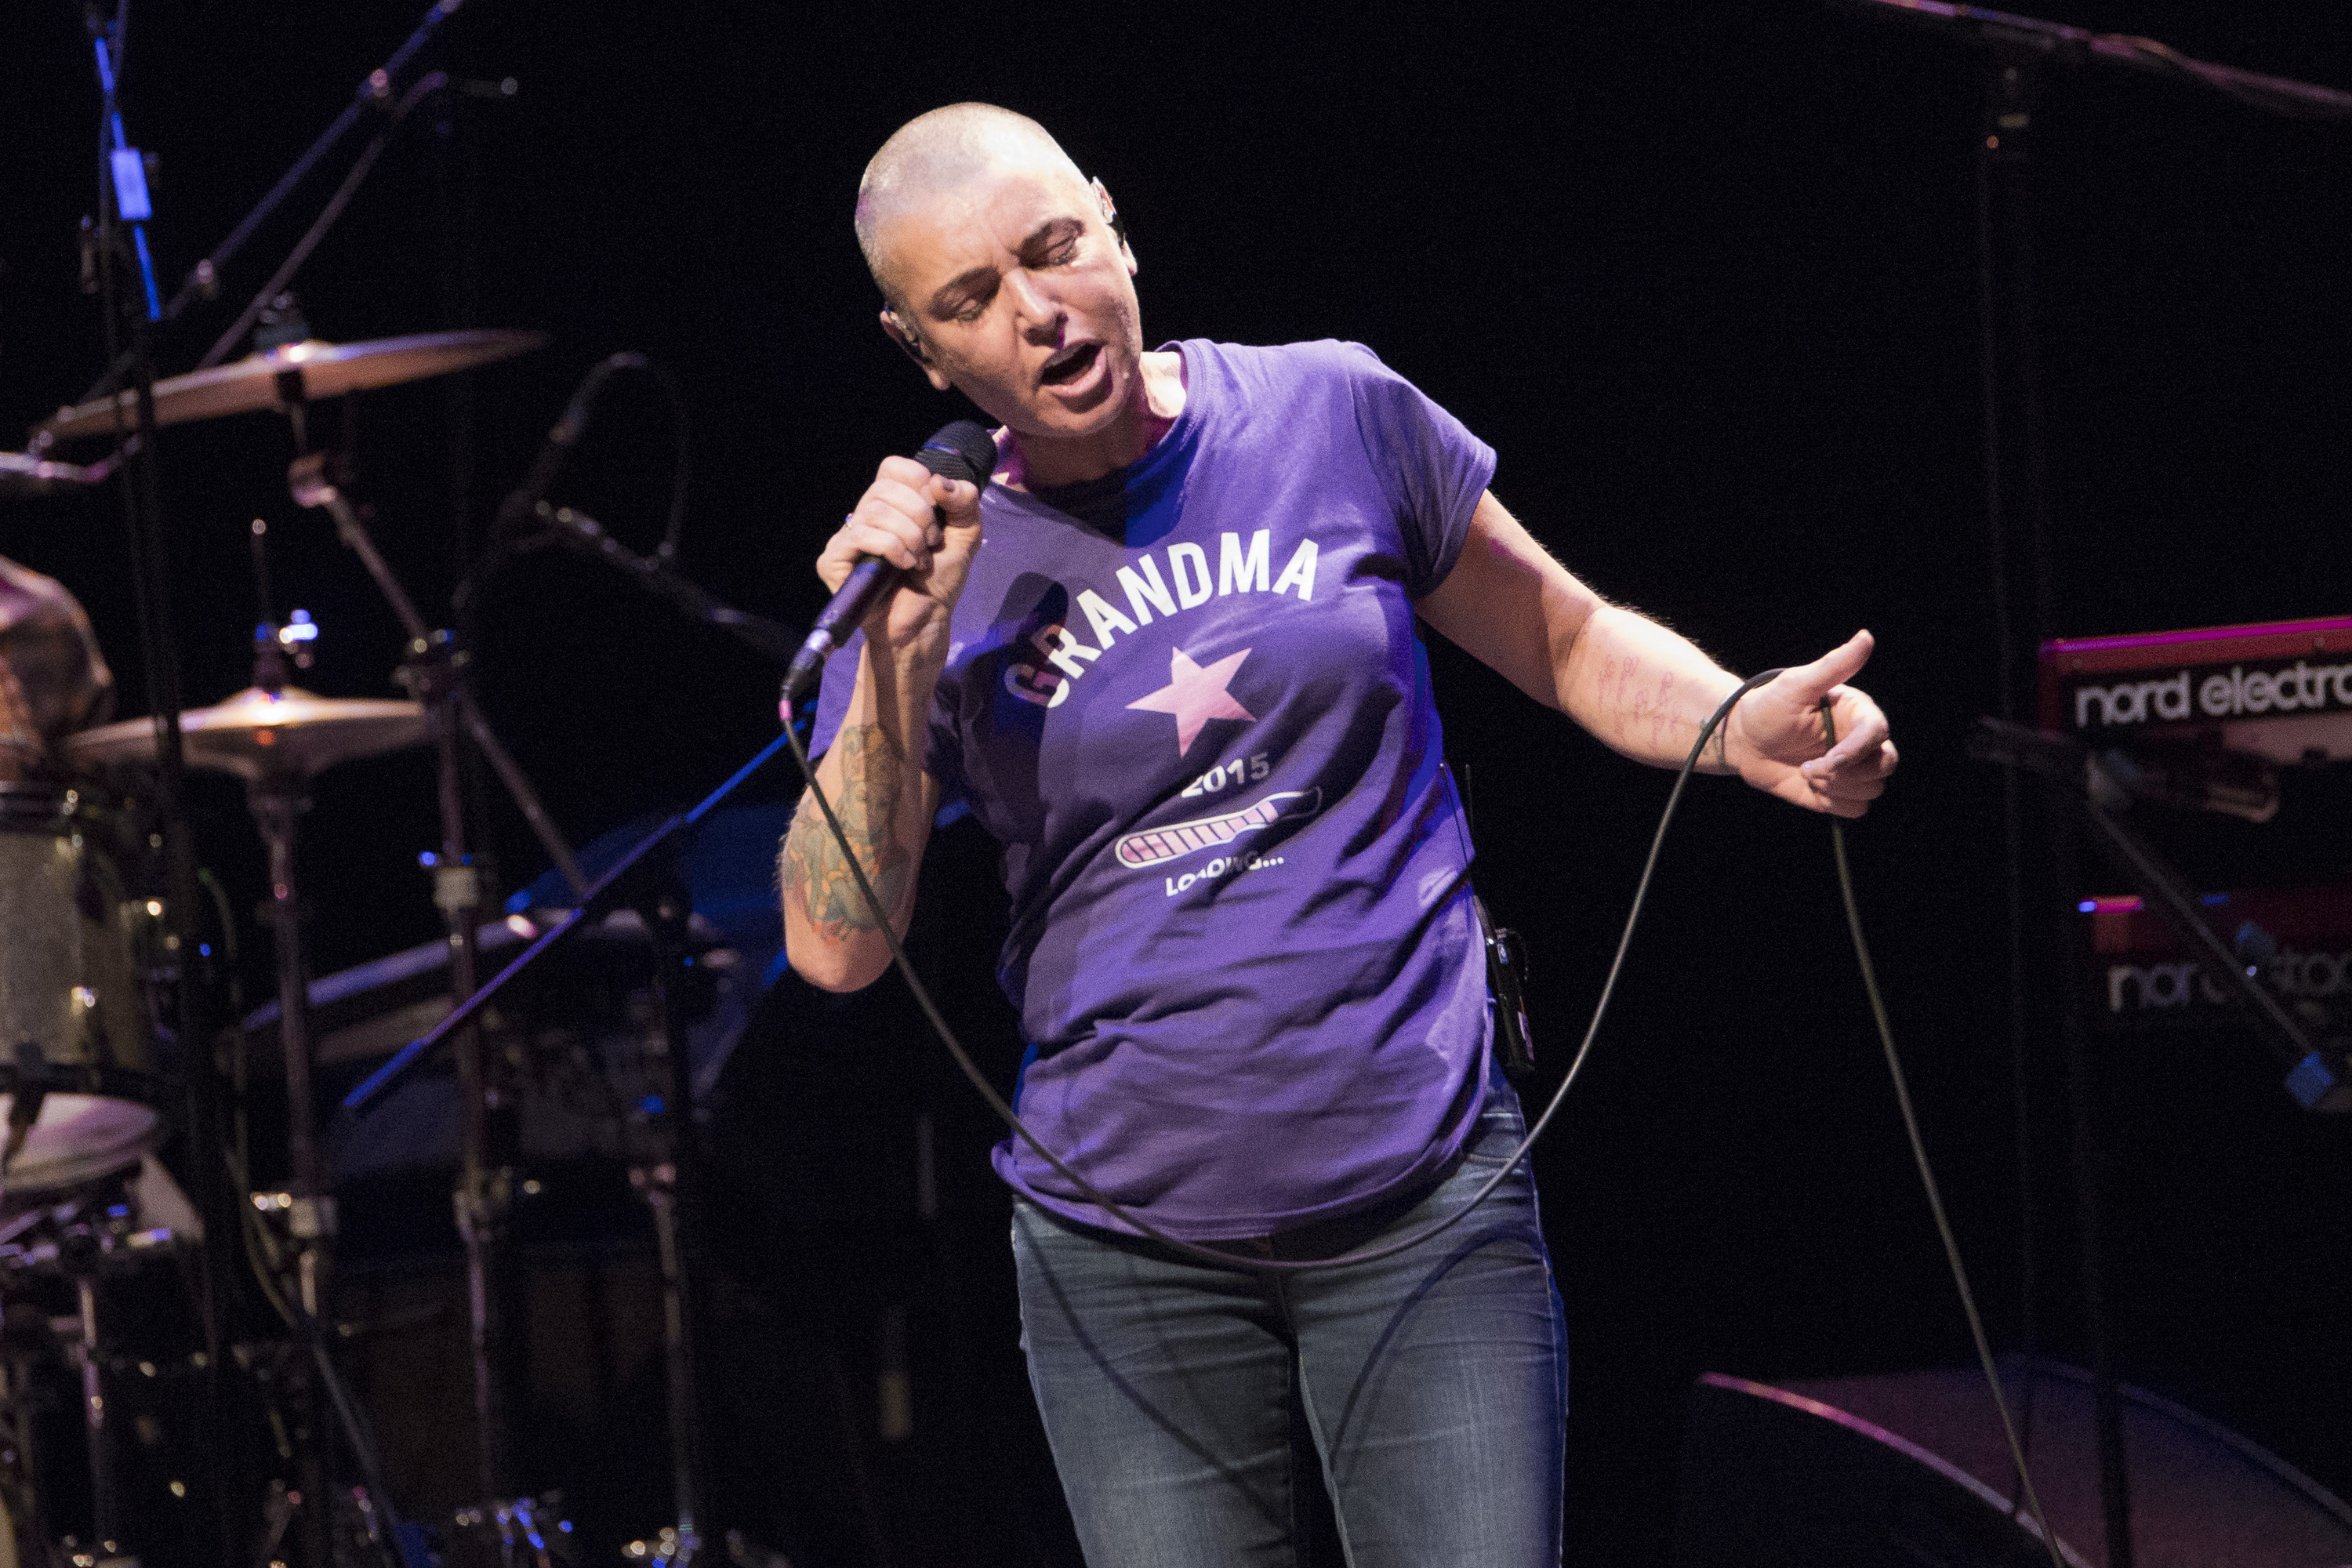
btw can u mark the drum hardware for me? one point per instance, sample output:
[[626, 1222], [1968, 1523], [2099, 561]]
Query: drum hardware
[[86, 1349], [644, 879], [277, 1516], [24, 475], [277, 800], [435, 675], [277, 738], [102, 1229], [132, 416], [25, 1535], [360, 1515], [528, 1532]]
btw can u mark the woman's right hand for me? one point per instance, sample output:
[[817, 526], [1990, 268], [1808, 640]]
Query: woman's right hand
[[898, 520]]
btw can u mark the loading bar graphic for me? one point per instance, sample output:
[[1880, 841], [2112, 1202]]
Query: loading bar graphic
[[1161, 845]]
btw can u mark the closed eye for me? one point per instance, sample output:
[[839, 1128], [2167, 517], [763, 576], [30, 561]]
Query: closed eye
[[1056, 244]]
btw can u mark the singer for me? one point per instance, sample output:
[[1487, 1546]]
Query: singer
[[1169, 656]]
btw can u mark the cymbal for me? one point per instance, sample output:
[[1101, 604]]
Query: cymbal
[[254, 735], [23, 476], [309, 371], [77, 1138]]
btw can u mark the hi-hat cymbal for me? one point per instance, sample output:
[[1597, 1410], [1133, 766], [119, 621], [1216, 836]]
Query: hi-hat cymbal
[[255, 735], [306, 371]]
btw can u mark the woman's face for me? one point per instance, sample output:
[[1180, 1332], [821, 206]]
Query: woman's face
[[1022, 299]]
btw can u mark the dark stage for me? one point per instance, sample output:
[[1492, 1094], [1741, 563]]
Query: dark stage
[[1707, 275]]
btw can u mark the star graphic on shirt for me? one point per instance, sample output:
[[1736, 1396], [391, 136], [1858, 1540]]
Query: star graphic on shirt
[[1195, 695]]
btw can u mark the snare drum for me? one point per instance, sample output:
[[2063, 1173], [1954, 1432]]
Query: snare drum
[[74, 1021]]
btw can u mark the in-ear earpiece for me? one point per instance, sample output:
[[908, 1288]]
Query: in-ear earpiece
[[907, 339]]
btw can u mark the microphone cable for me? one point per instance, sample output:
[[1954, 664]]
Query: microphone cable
[[979, 1080], [1928, 1174]]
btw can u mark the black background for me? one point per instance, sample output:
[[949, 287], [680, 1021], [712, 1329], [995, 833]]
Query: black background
[[1703, 274]]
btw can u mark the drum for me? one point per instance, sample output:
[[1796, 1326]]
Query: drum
[[74, 1022]]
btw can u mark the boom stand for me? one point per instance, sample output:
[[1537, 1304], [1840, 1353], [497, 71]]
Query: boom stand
[[668, 1183], [434, 674], [2016, 56], [134, 464], [645, 880]]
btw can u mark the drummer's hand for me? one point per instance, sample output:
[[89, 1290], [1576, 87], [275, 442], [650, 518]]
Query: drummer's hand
[[894, 520]]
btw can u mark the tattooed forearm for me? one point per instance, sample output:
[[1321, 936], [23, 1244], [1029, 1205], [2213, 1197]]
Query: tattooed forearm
[[1649, 712], [816, 873]]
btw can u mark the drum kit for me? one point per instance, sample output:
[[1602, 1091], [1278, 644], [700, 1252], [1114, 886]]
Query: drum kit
[[171, 1386], [89, 1065]]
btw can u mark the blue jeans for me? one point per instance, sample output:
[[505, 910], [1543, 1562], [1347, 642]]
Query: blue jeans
[[1432, 1386]]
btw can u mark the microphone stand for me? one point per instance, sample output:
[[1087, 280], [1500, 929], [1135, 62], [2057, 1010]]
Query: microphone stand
[[2081, 785], [2016, 55], [139, 485], [2080, 46], [2088, 787], [204, 279], [574, 528]]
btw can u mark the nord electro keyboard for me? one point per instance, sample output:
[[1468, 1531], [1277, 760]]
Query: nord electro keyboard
[[2140, 975], [2280, 690]]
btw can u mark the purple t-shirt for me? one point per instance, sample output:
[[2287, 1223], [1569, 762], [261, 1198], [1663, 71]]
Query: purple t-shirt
[[1189, 700]]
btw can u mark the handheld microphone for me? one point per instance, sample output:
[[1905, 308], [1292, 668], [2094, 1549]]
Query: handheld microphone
[[963, 450]]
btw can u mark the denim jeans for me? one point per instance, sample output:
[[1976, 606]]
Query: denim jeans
[[1183, 1402]]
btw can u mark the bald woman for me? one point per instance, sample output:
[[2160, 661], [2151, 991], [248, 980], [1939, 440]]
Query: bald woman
[[1169, 656]]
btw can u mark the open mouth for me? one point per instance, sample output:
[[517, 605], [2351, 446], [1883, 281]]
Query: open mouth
[[1070, 364]]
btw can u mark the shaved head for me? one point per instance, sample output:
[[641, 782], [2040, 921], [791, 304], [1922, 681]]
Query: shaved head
[[940, 155]]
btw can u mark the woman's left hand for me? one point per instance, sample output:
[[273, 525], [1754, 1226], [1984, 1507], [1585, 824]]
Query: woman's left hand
[[1779, 744]]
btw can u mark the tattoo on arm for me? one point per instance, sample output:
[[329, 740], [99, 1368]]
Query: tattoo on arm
[[813, 866]]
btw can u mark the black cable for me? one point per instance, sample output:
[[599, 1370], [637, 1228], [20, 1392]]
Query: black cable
[[1927, 1174], [492, 561], [1094, 1196], [1584, 1049], [566, 436]]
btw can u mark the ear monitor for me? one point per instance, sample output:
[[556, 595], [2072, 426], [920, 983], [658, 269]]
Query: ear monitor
[[1109, 209], [907, 339]]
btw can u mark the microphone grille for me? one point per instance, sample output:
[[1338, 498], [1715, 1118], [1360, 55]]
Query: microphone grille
[[963, 450]]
